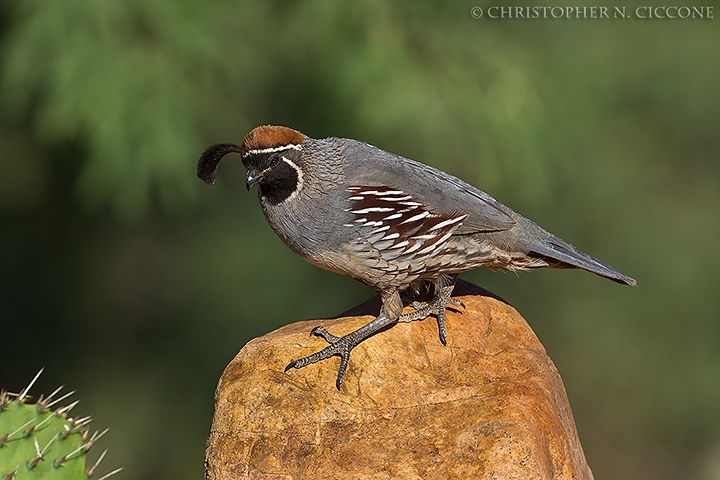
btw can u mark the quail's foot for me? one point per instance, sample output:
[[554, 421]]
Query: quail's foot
[[437, 307], [341, 346]]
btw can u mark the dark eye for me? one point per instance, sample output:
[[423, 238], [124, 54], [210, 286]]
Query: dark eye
[[274, 161]]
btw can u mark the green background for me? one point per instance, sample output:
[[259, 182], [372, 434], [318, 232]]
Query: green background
[[131, 281]]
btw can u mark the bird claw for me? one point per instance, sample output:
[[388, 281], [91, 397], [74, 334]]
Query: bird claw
[[456, 303], [341, 346], [437, 307], [321, 332]]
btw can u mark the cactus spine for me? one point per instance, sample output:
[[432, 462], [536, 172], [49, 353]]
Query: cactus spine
[[37, 442]]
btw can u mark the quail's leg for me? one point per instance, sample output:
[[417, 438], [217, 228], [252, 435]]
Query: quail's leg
[[342, 346], [437, 306]]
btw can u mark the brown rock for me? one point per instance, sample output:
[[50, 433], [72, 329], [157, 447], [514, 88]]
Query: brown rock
[[490, 405]]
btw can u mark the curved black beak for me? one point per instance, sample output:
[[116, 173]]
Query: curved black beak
[[251, 180]]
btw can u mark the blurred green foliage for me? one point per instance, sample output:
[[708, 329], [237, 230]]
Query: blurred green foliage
[[603, 131]]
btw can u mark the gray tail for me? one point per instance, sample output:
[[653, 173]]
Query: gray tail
[[560, 254]]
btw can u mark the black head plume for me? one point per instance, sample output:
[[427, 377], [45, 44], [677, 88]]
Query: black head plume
[[210, 159]]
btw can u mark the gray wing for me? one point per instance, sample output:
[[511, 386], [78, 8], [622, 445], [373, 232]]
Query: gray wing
[[395, 237], [439, 192]]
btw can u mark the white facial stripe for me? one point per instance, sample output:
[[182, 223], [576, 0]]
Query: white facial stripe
[[273, 149], [299, 178]]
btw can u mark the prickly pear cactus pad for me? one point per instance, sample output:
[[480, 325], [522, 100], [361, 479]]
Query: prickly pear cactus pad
[[42, 441]]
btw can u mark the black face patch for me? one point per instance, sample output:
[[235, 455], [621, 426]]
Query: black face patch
[[279, 178], [278, 183]]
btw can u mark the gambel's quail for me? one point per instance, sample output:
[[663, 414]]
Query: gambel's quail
[[387, 221]]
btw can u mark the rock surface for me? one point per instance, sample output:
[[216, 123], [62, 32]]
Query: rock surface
[[490, 405]]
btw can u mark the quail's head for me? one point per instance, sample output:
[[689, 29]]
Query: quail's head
[[272, 157]]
